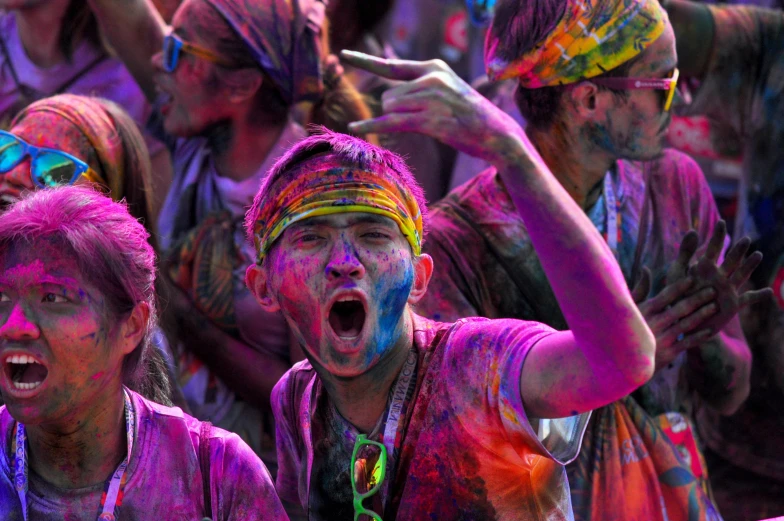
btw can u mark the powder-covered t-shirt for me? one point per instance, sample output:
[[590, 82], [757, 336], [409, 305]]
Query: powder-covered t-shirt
[[164, 476], [469, 449], [90, 73]]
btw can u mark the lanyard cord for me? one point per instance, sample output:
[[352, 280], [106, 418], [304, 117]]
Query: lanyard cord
[[613, 215], [393, 436], [112, 496]]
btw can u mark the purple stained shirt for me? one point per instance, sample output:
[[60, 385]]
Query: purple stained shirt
[[164, 476], [87, 74], [469, 449]]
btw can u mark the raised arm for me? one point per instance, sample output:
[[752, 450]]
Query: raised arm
[[609, 350], [135, 31]]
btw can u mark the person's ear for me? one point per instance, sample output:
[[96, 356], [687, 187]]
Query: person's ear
[[242, 85], [423, 270], [256, 280], [134, 327], [586, 100]]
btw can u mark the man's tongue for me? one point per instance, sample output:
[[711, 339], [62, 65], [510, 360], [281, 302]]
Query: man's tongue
[[347, 318]]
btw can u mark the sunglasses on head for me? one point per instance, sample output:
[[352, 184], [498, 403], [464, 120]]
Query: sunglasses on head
[[173, 45], [668, 84], [48, 167]]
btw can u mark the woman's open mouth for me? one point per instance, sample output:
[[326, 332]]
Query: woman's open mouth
[[25, 372], [347, 317]]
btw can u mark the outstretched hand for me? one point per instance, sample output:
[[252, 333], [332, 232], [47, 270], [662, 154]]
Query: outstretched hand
[[436, 102], [727, 279], [700, 297], [673, 316]]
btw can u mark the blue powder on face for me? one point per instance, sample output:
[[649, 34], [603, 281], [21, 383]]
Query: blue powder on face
[[392, 294]]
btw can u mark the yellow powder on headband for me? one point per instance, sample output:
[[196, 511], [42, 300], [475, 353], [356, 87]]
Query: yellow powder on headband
[[592, 37], [335, 190]]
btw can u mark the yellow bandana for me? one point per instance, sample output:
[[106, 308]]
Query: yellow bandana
[[332, 188], [593, 37]]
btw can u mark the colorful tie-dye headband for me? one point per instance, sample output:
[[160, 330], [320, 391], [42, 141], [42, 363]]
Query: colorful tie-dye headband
[[99, 129], [594, 36], [285, 38], [329, 187]]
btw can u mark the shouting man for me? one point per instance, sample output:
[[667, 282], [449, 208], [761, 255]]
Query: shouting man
[[397, 417]]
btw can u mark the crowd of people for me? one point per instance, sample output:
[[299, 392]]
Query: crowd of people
[[394, 259]]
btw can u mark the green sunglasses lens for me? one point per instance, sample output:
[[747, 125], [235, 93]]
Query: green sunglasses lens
[[52, 169], [368, 470], [11, 152]]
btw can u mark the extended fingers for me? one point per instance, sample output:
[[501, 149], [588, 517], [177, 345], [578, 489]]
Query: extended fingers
[[735, 256], [643, 286], [690, 311], [742, 273], [687, 341], [410, 103], [431, 82], [396, 122], [753, 297], [716, 242], [394, 69], [679, 268], [668, 295]]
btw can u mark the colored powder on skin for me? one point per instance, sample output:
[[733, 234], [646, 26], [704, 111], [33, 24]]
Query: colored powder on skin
[[393, 295]]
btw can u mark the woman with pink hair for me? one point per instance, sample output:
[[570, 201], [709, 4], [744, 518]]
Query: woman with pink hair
[[82, 432]]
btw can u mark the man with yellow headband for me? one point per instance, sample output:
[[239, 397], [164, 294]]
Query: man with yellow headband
[[596, 81], [394, 416]]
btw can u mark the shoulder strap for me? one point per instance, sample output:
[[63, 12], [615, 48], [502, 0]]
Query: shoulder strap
[[204, 463]]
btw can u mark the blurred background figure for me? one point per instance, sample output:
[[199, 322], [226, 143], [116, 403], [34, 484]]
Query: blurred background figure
[[50, 47], [734, 57], [354, 25]]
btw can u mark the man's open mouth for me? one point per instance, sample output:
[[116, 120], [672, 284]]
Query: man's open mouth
[[25, 372], [347, 317]]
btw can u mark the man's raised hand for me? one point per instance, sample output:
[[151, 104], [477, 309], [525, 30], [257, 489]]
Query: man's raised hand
[[727, 279], [436, 102]]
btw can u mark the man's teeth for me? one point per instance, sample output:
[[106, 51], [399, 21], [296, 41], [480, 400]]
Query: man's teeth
[[26, 386], [21, 359], [347, 299]]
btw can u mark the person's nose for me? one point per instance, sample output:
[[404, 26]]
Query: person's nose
[[344, 261], [19, 327]]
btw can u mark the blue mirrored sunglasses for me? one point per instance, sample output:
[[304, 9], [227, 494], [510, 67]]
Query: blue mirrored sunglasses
[[48, 167]]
